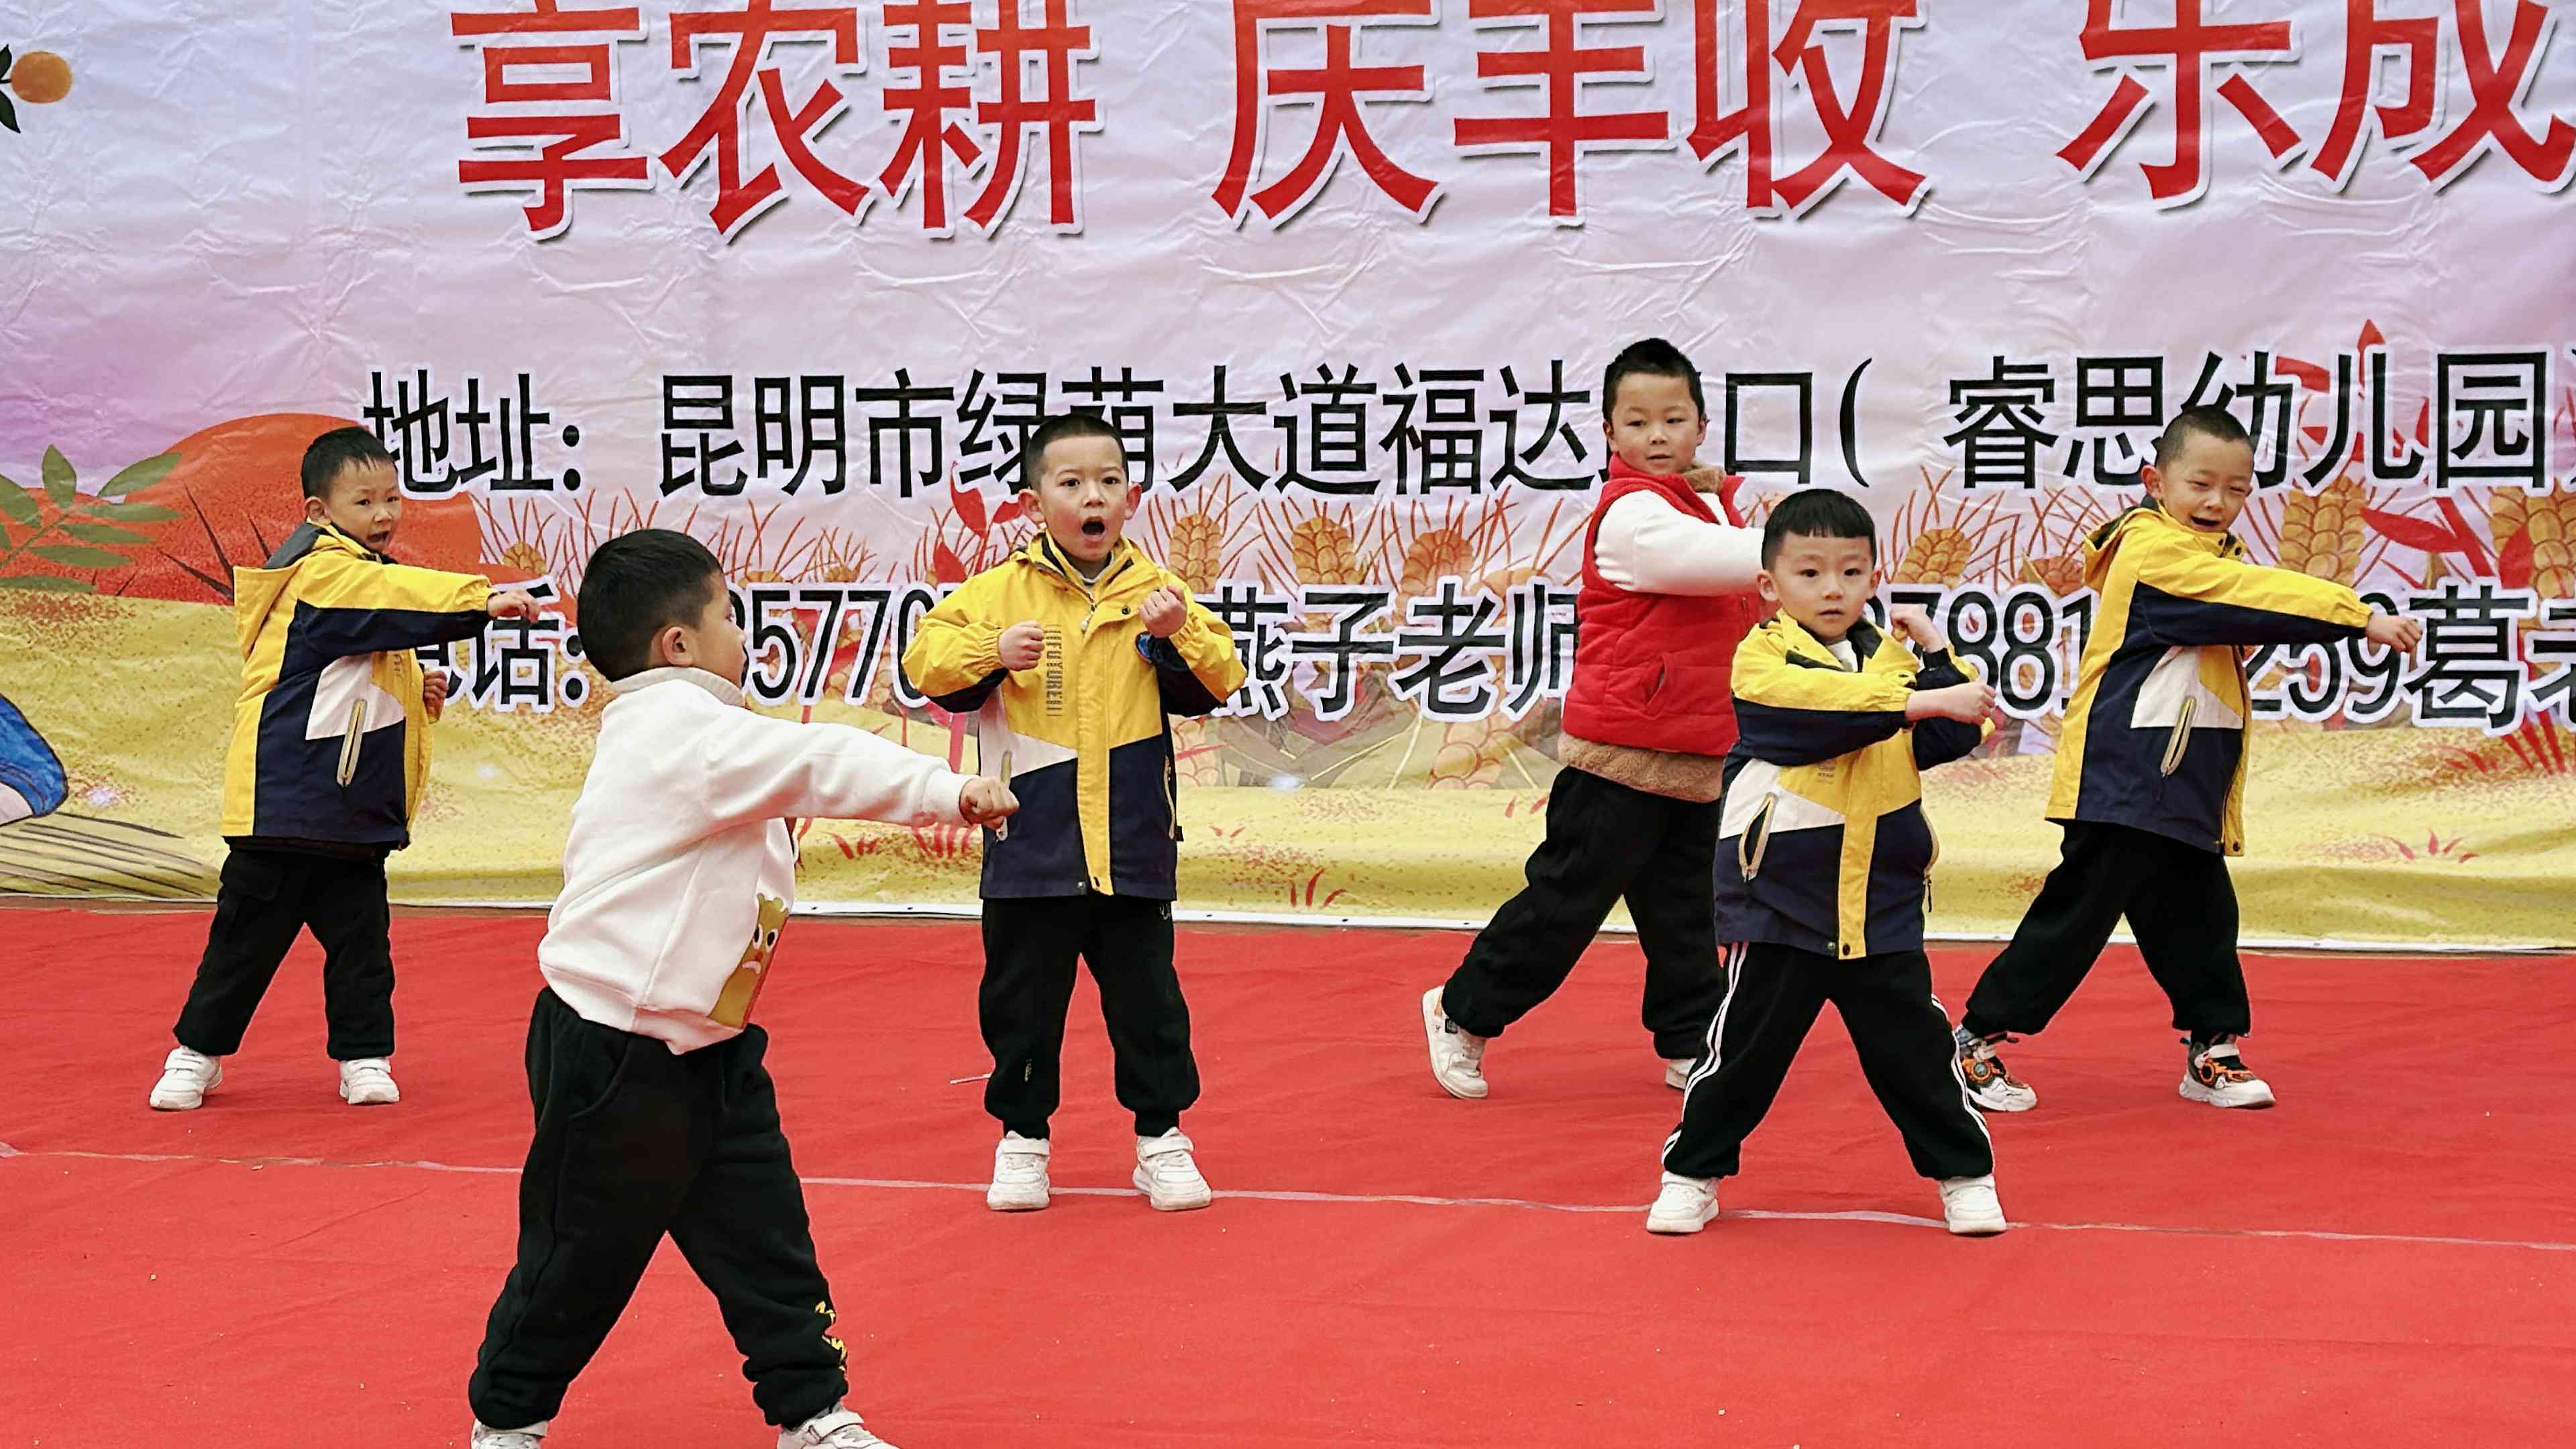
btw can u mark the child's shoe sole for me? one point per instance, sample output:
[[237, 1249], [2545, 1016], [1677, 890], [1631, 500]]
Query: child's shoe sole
[[1677, 1226], [2254, 1098], [1016, 1202]]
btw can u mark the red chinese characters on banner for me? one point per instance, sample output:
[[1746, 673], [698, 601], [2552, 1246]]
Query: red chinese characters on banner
[[1561, 68], [525, 57], [1851, 131], [2494, 82], [2187, 49], [1335, 90], [718, 132], [920, 56], [1051, 47]]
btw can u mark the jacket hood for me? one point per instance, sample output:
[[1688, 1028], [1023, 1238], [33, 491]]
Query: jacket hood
[[256, 591]]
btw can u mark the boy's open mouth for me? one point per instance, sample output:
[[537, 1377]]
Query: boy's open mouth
[[1094, 528]]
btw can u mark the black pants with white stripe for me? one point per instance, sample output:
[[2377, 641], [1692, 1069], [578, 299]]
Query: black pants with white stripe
[[1773, 995], [2181, 905], [1604, 841]]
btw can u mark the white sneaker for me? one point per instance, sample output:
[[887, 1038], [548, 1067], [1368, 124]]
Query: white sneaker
[[487, 1437], [1677, 1072], [838, 1428], [1683, 1205], [1019, 1175], [1168, 1175], [2215, 1072], [1969, 1206], [186, 1077], [1991, 1085], [368, 1082], [1457, 1058]]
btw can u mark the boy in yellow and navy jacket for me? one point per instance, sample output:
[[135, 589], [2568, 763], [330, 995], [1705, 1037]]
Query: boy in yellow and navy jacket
[[330, 749], [2150, 782], [1069, 656], [1824, 863]]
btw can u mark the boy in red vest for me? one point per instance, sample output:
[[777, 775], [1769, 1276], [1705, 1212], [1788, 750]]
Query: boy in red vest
[[1668, 575]]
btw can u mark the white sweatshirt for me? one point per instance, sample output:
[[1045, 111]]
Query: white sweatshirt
[[680, 868], [1648, 546]]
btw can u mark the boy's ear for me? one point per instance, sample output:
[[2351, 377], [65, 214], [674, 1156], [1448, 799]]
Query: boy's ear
[[2152, 481], [1770, 587], [670, 647], [315, 511], [1135, 496]]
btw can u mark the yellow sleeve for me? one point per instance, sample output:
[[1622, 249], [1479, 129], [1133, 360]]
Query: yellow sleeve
[[1206, 645], [362, 607], [2190, 598], [957, 645]]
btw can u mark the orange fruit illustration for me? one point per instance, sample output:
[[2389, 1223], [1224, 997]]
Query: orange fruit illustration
[[41, 77]]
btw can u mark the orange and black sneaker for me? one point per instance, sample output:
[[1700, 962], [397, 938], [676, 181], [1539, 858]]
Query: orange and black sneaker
[[2214, 1072], [1991, 1085]]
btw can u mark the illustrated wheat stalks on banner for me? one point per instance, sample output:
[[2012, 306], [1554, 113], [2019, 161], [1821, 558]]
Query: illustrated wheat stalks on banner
[[2322, 532]]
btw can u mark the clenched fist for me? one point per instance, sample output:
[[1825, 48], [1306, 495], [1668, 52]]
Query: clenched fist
[[986, 800], [433, 694], [2394, 631], [1913, 623], [1163, 612], [511, 604], [1023, 645]]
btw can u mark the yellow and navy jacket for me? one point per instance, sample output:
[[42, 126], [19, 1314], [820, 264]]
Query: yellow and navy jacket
[[1822, 842], [2155, 733], [330, 745], [1087, 748]]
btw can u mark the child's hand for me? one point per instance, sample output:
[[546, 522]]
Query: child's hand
[[986, 800], [512, 604], [1967, 703], [433, 694], [1912, 622], [1163, 612], [1023, 645], [2394, 631]]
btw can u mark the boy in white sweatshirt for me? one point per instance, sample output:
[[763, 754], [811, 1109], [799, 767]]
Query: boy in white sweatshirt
[[654, 1114]]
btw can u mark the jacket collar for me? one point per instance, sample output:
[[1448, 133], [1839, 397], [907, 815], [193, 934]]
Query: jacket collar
[[1864, 637], [1127, 566], [721, 688]]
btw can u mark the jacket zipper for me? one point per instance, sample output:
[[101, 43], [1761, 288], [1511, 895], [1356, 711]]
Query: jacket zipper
[[349, 747], [2180, 738], [1171, 798], [1756, 838], [1927, 865]]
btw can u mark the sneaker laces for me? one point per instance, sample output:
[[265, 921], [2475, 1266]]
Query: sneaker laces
[[365, 1072], [1020, 1160]]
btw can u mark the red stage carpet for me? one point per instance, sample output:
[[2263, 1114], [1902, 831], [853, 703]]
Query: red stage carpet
[[2385, 1258]]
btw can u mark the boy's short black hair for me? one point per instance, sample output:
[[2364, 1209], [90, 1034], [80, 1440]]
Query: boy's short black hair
[[636, 585], [2204, 421], [1055, 430], [337, 451], [1817, 513], [1654, 357]]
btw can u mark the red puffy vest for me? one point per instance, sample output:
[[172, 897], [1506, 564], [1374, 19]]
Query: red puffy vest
[[1654, 671]]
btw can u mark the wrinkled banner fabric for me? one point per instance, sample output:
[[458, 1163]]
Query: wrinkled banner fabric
[[1344, 273]]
